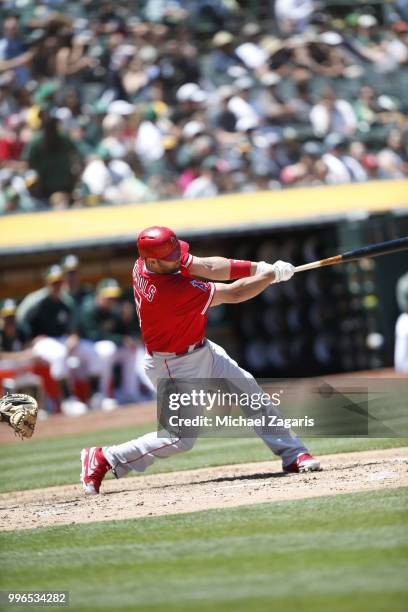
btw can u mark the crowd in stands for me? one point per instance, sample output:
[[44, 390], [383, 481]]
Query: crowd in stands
[[86, 337], [116, 102]]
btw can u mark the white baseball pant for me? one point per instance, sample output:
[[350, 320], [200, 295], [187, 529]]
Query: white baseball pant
[[130, 360], [210, 361], [56, 354]]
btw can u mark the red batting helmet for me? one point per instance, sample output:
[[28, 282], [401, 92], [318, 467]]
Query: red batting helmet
[[160, 243]]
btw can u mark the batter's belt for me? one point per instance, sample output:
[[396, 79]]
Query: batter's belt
[[189, 349]]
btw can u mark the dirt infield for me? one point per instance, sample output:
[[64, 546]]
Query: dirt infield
[[202, 489], [193, 490]]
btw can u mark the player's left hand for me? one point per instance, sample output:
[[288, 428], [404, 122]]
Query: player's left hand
[[20, 412], [282, 269]]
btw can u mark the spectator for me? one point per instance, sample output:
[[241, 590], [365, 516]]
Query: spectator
[[7, 106], [17, 193], [250, 52], [332, 115], [366, 107], [160, 10], [44, 45], [134, 77], [189, 100], [113, 140], [53, 156], [225, 120], [178, 64], [135, 88], [112, 180], [266, 157], [164, 172], [203, 185], [224, 59], [396, 46], [210, 16], [306, 171], [270, 103], [356, 155], [397, 151], [328, 56], [370, 165], [149, 139], [97, 178], [241, 105], [14, 52], [59, 201], [71, 58], [301, 102], [392, 159], [293, 15], [11, 143], [337, 170]]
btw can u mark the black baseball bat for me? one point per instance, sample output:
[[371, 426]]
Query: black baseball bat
[[372, 250]]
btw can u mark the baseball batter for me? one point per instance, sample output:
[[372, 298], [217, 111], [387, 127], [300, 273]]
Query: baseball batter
[[173, 307]]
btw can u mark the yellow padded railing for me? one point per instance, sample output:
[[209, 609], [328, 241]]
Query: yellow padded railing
[[265, 208]]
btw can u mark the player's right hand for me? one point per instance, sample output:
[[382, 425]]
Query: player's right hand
[[283, 271]]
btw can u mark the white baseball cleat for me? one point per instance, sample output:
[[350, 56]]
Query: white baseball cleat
[[303, 463], [94, 468]]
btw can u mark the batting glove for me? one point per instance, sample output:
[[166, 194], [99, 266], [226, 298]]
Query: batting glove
[[282, 269]]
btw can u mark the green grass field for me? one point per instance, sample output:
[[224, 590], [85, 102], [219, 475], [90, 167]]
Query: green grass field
[[43, 463], [342, 553]]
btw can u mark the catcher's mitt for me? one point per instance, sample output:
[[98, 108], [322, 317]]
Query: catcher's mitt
[[20, 412]]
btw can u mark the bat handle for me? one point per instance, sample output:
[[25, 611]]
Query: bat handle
[[308, 266], [330, 261]]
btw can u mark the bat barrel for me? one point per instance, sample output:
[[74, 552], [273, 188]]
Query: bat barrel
[[373, 250]]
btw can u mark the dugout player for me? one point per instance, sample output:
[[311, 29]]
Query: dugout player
[[49, 317]]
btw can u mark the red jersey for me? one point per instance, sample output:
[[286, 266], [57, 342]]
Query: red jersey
[[172, 308]]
